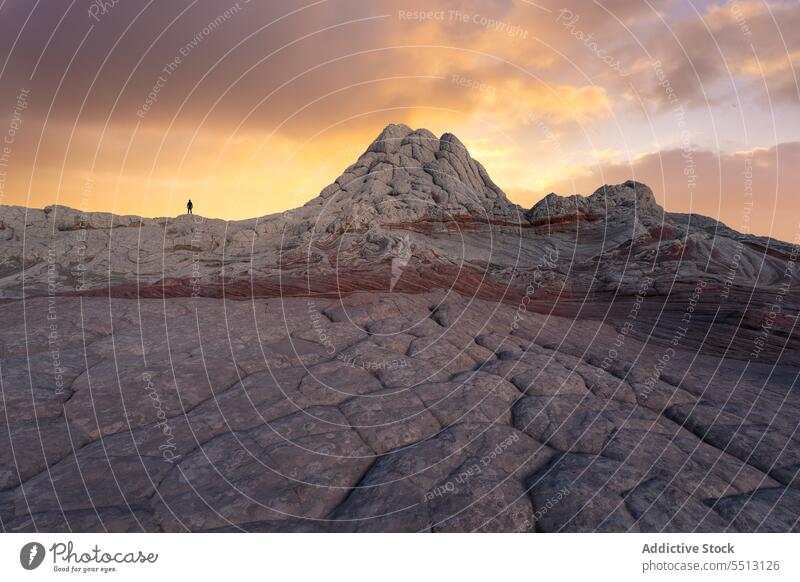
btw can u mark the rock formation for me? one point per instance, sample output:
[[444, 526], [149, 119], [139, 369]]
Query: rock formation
[[409, 351]]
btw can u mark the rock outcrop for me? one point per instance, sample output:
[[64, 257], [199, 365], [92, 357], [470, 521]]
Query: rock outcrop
[[622, 201], [410, 175]]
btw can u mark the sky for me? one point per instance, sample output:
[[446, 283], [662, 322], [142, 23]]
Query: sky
[[249, 108]]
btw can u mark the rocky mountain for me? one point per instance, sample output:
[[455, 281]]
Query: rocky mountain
[[407, 176], [409, 351]]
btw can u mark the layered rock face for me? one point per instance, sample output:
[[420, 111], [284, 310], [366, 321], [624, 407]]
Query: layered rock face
[[409, 351]]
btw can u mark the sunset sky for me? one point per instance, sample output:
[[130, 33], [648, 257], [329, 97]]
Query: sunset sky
[[252, 107]]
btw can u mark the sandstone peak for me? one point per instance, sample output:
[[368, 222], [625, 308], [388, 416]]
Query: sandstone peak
[[407, 174], [395, 135], [629, 199]]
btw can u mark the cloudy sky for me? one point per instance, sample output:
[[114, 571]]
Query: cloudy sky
[[132, 106]]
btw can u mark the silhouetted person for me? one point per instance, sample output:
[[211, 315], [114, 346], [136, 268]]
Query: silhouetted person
[[189, 206]]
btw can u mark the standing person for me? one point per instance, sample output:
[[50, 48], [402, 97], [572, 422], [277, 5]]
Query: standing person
[[189, 206]]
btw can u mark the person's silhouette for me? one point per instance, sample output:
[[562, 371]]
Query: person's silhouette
[[189, 206]]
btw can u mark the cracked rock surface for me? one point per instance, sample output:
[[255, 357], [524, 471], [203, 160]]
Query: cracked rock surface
[[227, 415]]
